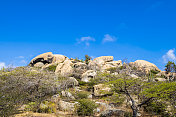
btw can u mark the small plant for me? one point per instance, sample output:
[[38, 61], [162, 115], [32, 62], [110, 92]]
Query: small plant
[[85, 107], [112, 69], [52, 68], [156, 107], [117, 99], [32, 106], [47, 107], [82, 95], [87, 59]]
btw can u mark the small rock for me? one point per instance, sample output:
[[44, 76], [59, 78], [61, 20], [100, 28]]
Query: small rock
[[113, 112], [39, 64], [66, 106], [160, 79]]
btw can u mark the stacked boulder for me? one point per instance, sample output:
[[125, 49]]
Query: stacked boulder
[[79, 69], [104, 62]]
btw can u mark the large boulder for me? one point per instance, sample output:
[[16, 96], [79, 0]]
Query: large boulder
[[88, 75], [102, 90], [44, 58], [59, 58], [143, 65], [99, 62], [65, 68]]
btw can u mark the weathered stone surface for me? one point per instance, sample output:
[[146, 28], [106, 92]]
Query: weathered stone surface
[[39, 64], [66, 106], [115, 63], [104, 58], [44, 58], [101, 90], [64, 68], [99, 62], [73, 81], [143, 65], [134, 76], [57, 58], [88, 75], [80, 67], [103, 105], [113, 113], [160, 79], [67, 94]]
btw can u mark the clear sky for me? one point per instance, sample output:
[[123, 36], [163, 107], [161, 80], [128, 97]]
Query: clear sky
[[125, 29]]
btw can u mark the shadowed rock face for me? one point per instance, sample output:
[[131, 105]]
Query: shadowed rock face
[[47, 58], [44, 58]]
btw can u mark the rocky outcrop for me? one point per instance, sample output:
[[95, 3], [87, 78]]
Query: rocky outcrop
[[102, 90], [65, 68], [88, 75], [47, 59], [143, 65]]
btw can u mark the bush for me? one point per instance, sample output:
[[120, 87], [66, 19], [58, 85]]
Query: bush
[[22, 86], [117, 99], [112, 69], [156, 107], [32, 106], [47, 107], [87, 59], [85, 107], [82, 95], [52, 68]]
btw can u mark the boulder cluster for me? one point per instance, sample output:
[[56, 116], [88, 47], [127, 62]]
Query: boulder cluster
[[79, 69]]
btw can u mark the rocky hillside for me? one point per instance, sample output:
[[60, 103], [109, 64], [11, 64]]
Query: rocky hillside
[[55, 85]]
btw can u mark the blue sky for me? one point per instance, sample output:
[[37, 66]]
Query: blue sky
[[132, 29]]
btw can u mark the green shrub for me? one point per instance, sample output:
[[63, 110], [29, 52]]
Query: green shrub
[[154, 71], [85, 107], [128, 114], [87, 59], [117, 99], [32, 106], [23, 85], [112, 69], [52, 68], [82, 95], [81, 83], [47, 107], [156, 107]]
